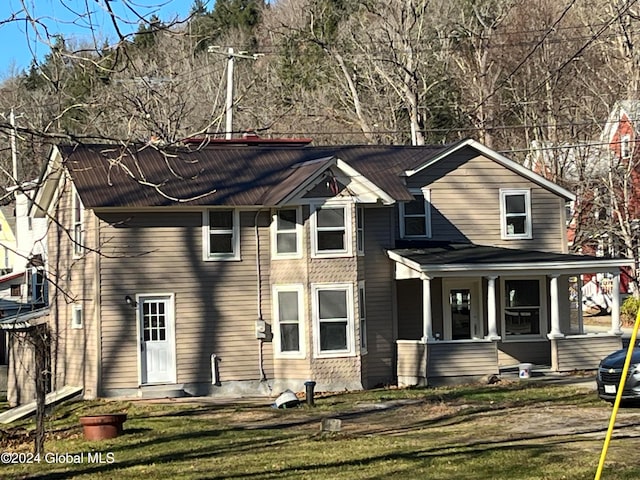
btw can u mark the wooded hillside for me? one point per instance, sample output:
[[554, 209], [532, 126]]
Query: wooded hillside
[[528, 78]]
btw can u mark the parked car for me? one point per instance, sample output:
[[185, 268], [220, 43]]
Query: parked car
[[610, 372]]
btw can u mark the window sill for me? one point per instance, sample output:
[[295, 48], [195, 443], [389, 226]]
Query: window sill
[[340, 354], [331, 255], [289, 356], [520, 237], [222, 259], [296, 256]]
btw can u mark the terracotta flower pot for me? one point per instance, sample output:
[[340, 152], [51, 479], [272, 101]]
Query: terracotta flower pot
[[101, 427]]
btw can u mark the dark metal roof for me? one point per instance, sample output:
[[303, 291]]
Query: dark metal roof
[[457, 257], [114, 176]]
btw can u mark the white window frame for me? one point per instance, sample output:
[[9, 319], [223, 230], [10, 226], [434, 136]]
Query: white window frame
[[542, 282], [507, 192], [275, 231], [77, 218], [362, 315], [359, 229], [77, 316], [347, 251], [350, 350], [426, 194], [299, 290], [625, 146], [235, 236]]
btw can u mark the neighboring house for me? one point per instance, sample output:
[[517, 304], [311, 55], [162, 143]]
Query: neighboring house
[[594, 208], [620, 134], [7, 240], [233, 268], [30, 232], [23, 288]]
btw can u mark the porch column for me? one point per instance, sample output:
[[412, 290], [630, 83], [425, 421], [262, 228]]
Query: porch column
[[427, 320], [615, 305], [580, 313], [555, 308], [491, 309]]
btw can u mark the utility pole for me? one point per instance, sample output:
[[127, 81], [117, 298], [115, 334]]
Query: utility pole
[[231, 56], [14, 153], [229, 103]]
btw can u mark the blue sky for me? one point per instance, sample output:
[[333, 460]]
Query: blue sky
[[19, 42]]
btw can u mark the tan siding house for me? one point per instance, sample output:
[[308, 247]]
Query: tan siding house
[[248, 269]]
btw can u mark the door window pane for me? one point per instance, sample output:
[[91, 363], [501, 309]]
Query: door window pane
[[460, 303]]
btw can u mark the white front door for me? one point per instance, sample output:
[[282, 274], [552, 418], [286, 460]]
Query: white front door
[[461, 308], [157, 340]]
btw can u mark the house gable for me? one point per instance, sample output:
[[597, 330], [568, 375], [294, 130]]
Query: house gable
[[338, 179], [494, 156]]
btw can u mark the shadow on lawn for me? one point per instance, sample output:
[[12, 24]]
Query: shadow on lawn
[[453, 452], [274, 432]]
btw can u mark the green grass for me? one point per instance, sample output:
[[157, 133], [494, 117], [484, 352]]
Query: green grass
[[468, 432]]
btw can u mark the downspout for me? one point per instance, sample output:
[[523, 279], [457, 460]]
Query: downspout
[[97, 319], [263, 376]]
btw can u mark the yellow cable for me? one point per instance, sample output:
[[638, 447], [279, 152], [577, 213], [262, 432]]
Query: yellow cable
[[616, 404]]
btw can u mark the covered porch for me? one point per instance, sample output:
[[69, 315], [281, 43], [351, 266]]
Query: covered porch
[[467, 310]]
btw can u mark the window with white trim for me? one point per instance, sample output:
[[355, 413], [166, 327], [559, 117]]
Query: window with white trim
[[625, 146], [77, 320], [331, 231], [522, 307], [333, 320], [515, 213], [221, 234], [415, 216], [78, 224], [288, 315], [287, 233], [360, 230], [362, 313]]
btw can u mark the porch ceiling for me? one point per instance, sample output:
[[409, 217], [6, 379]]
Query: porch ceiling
[[466, 258]]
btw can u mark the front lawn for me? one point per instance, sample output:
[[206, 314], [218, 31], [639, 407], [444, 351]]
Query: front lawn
[[512, 430]]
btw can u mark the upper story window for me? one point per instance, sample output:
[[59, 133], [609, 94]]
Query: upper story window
[[78, 224], [288, 321], [515, 213], [360, 230], [625, 146], [287, 233], [221, 229], [415, 216], [331, 231], [333, 320]]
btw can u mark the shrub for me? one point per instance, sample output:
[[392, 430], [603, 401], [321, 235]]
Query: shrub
[[629, 310]]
